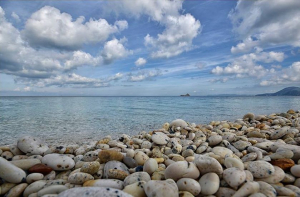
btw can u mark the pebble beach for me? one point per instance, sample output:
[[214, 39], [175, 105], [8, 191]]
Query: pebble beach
[[256, 156]]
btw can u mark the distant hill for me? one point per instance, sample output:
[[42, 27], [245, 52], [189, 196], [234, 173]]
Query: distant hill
[[289, 91]]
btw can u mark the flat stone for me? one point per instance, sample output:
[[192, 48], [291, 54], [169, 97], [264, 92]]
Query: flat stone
[[94, 192], [53, 189], [10, 172], [40, 168], [17, 190], [58, 162], [34, 187], [284, 164], [25, 164]]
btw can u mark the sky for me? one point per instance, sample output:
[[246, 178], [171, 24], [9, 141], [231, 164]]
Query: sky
[[148, 47]]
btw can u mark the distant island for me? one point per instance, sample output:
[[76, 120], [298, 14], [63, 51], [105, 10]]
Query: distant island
[[289, 91], [185, 95]]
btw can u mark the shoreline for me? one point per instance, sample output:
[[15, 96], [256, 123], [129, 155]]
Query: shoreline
[[256, 154]]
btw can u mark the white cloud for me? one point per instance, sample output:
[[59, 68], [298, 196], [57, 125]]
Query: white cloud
[[72, 80], [246, 65], [156, 10], [113, 50], [144, 75], [140, 62], [265, 22], [116, 77], [80, 58], [47, 67], [48, 27], [284, 76], [15, 16], [179, 32], [176, 38]]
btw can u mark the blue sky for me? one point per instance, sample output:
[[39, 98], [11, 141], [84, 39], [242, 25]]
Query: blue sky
[[148, 47]]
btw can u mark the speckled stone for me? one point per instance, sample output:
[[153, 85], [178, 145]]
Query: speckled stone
[[234, 176], [261, 169], [58, 162], [32, 145], [34, 187], [140, 157], [135, 177], [277, 177], [79, 178], [136, 189], [90, 167], [161, 188], [94, 192], [190, 185]]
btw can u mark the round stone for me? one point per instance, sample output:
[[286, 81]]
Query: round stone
[[182, 169], [150, 166], [261, 169], [209, 183], [295, 170], [160, 138], [32, 146], [190, 185], [161, 188], [234, 176]]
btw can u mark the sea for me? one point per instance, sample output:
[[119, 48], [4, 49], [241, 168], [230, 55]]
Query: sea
[[63, 120]]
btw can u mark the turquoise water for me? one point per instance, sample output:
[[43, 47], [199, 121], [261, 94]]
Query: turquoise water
[[81, 119]]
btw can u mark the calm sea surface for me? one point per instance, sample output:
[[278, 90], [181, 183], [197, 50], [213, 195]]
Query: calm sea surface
[[82, 119]]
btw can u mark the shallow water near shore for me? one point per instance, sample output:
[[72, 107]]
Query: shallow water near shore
[[81, 119]]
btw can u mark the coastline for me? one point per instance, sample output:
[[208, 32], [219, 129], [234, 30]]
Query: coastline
[[253, 154]]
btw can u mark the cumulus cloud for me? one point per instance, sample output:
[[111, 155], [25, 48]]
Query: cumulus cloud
[[140, 62], [144, 75], [42, 67], [176, 38], [179, 32], [247, 65], [48, 27], [114, 49], [264, 22], [287, 75], [80, 58]]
